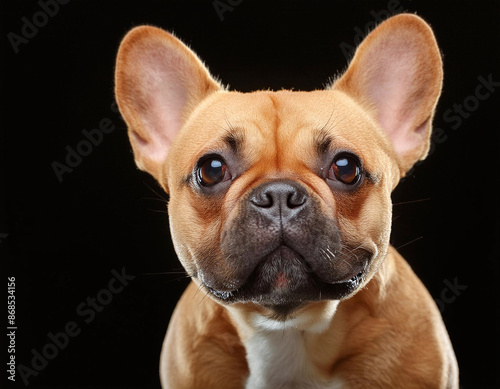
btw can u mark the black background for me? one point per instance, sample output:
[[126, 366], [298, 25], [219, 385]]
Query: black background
[[61, 240]]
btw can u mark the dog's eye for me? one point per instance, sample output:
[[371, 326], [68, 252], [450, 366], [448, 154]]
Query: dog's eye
[[345, 169], [213, 171]]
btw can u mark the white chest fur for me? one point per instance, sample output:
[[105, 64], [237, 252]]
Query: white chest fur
[[279, 359], [278, 355]]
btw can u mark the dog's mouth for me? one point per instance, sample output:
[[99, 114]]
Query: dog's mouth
[[284, 281]]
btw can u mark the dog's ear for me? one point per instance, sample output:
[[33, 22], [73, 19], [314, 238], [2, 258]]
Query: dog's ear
[[158, 82], [396, 73]]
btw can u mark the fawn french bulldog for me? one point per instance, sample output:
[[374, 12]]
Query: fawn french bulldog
[[280, 212]]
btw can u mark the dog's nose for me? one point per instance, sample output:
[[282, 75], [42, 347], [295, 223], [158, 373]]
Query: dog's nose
[[279, 199]]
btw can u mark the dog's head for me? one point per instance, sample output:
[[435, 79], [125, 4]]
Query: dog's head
[[281, 198]]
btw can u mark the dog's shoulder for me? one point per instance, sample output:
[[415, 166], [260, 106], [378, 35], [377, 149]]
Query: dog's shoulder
[[202, 348], [400, 328]]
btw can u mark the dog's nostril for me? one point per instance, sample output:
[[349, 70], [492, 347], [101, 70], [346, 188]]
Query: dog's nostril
[[295, 199], [263, 200], [266, 200]]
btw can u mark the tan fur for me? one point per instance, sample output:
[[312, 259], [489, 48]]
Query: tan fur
[[386, 334], [185, 362]]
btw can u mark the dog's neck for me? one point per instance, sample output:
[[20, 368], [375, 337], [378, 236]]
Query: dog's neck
[[282, 354]]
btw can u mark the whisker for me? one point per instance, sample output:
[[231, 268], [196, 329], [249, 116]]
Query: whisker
[[157, 211], [164, 273], [199, 288], [333, 255], [350, 251], [154, 199], [347, 263], [412, 201], [410, 242], [155, 192], [323, 253], [204, 297], [183, 276]]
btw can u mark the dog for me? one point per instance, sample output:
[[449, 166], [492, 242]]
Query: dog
[[280, 212]]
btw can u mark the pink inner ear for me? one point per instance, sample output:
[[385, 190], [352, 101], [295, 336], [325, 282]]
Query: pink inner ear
[[390, 87], [397, 73], [397, 88], [163, 119], [158, 81], [164, 94]]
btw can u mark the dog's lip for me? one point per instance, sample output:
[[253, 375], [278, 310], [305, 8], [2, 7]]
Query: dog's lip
[[348, 284], [230, 296], [226, 293]]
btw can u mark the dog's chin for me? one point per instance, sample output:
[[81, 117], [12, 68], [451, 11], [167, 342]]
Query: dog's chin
[[283, 283]]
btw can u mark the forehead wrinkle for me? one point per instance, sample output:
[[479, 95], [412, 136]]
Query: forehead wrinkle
[[230, 136], [275, 127]]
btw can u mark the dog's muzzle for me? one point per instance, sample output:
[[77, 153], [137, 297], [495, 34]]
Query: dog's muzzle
[[283, 250]]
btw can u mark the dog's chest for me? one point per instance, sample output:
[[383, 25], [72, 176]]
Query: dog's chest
[[280, 360]]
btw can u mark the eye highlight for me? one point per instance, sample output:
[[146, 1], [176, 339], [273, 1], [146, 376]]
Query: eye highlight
[[212, 172], [346, 169]]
